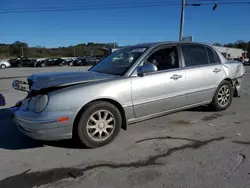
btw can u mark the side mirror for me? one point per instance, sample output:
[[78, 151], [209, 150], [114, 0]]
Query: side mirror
[[147, 68]]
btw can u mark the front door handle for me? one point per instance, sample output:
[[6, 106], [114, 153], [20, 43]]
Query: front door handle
[[216, 70], [176, 77]]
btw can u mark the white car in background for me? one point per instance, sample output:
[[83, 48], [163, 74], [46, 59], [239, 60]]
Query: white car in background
[[4, 64]]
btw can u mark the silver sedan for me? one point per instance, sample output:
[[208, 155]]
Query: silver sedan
[[132, 84]]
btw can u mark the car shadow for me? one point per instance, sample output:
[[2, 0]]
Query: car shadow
[[69, 144], [201, 109], [12, 139]]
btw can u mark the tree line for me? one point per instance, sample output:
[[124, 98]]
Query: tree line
[[238, 44], [21, 48]]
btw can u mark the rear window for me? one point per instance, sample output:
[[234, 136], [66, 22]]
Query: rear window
[[194, 55], [213, 56]]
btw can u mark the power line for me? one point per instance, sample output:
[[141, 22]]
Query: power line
[[91, 7], [218, 2], [140, 4]]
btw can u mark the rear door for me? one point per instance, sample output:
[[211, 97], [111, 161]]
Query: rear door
[[204, 72]]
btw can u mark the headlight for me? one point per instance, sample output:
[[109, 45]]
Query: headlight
[[38, 103]]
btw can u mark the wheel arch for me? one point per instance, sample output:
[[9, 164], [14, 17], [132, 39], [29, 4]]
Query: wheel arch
[[235, 93], [114, 102], [230, 81]]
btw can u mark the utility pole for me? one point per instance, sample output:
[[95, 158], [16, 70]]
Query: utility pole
[[22, 51], [182, 19], [74, 52]]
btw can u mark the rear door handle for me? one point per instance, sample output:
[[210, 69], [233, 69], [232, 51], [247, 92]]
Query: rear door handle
[[216, 70], [176, 77]]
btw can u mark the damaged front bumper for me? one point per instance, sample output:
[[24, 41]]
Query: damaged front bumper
[[20, 85], [44, 126]]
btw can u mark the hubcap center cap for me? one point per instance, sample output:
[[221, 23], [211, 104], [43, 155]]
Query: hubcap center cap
[[101, 125]]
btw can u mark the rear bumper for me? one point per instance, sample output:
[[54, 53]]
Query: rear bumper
[[46, 127], [238, 86]]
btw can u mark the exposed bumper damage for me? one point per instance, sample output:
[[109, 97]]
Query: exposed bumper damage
[[237, 84], [54, 125], [235, 71]]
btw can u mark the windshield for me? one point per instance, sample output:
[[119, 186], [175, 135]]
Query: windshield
[[119, 61]]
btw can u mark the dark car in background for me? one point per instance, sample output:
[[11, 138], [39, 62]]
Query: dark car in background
[[22, 62], [51, 62], [94, 59], [69, 61], [77, 62], [86, 61]]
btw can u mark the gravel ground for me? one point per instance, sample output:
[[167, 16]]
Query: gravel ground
[[194, 148]]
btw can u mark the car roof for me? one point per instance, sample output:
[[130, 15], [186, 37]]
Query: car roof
[[154, 44]]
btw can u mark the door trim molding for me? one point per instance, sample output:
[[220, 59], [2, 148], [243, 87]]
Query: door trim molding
[[136, 120]]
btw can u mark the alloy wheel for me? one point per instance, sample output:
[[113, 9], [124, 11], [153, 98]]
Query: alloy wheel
[[224, 95], [100, 125]]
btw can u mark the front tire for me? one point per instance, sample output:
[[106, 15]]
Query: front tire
[[223, 96], [3, 66], [99, 124]]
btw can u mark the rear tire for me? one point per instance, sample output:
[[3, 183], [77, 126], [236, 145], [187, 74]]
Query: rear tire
[[19, 65], [98, 125], [223, 96]]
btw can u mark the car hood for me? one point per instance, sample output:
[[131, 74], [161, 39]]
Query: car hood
[[47, 80]]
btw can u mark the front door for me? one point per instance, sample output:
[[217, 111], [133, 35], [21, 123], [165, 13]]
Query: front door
[[162, 90], [204, 72]]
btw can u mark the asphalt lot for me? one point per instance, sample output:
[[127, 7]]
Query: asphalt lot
[[194, 148]]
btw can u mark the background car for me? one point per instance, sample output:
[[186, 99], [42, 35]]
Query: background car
[[51, 62], [69, 61], [80, 61], [93, 60], [4, 64], [22, 62]]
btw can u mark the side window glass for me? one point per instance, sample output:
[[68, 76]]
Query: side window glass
[[213, 56], [216, 56], [164, 59], [194, 55]]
